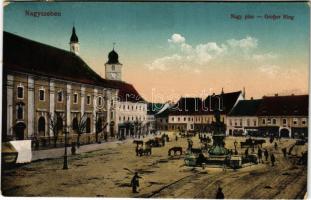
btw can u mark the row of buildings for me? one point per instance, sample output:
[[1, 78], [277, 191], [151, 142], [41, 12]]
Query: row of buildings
[[285, 116], [44, 86]]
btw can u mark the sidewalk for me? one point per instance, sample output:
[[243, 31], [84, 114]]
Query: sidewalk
[[59, 152]]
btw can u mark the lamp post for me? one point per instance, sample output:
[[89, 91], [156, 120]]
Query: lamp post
[[65, 166]]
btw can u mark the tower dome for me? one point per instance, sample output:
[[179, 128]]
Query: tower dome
[[74, 37], [113, 57]]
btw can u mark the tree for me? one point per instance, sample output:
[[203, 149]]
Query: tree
[[81, 127], [55, 125], [99, 127]]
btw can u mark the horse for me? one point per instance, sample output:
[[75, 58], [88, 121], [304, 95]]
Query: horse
[[175, 149], [146, 151]]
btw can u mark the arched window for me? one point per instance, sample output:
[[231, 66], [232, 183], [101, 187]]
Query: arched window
[[88, 125], [75, 124], [41, 125]]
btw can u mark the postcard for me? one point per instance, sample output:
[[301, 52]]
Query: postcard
[[204, 100]]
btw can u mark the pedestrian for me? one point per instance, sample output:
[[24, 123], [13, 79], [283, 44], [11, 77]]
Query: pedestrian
[[137, 150], [284, 150], [220, 194], [246, 152], [275, 146], [135, 182], [259, 155], [272, 159], [266, 154]]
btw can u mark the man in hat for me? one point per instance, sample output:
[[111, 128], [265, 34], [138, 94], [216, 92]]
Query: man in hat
[[220, 194], [135, 182]]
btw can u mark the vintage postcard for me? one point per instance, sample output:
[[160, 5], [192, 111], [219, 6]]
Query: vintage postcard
[[205, 100]]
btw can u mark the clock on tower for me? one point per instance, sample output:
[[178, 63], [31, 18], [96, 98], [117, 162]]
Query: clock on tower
[[113, 68]]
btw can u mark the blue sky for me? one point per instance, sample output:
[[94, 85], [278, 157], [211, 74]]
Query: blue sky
[[142, 32]]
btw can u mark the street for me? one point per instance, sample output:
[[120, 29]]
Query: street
[[105, 173]]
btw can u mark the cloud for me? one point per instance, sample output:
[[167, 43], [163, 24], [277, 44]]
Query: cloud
[[263, 57], [270, 70], [201, 54], [163, 63], [246, 43], [206, 52], [176, 38]]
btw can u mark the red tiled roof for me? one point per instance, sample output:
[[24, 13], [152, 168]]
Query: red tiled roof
[[284, 106]]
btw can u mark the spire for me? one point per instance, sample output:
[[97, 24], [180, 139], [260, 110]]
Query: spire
[[74, 37], [114, 44], [74, 42], [243, 92]]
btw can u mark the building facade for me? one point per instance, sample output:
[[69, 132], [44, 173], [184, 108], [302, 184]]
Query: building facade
[[46, 87], [242, 120], [284, 116]]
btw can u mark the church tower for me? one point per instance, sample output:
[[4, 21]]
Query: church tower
[[113, 68], [74, 42]]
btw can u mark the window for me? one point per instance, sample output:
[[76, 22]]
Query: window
[[75, 98], [269, 121], [41, 125], [184, 118], [113, 67], [120, 119], [303, 121], [248, 122], [255, 123], [20, 92], [59, 96], [178, 119], [123, 118], [230, 122], [273, 121], [284, 121], [41, 95], [88, 99], [88, 125], [263, 121], [123, 107], [240, 122], [295, 121], [111, 103], [172, 119], [100, 101], [111, 114], [189, 119]]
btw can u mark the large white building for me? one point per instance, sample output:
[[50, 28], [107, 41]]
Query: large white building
[[130, 109], [42, 81]]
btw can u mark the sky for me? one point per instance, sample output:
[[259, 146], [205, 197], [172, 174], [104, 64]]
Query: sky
[[175, 49]]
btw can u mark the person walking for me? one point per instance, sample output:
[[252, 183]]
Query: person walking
[[276, 146], [266, 154], [259, 153], [272, 159], [135, 182], [284, 150], [246, 152], [220, 194]]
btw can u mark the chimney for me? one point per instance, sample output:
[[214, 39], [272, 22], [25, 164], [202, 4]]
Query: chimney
[[252, 98], [276, 94], [293, 94]]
